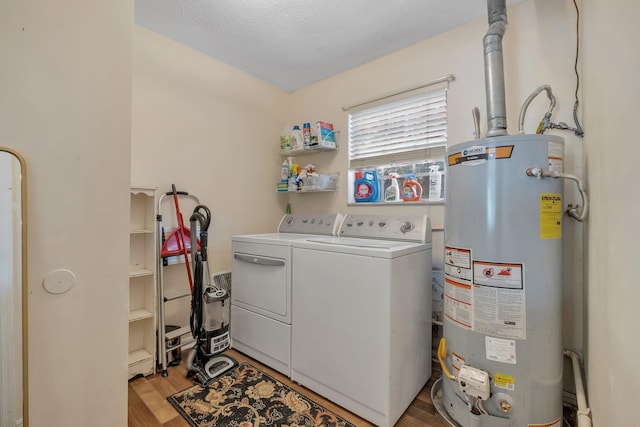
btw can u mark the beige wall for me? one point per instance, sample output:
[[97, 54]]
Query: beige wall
[[213, 131], [65, 104], [611, 93]]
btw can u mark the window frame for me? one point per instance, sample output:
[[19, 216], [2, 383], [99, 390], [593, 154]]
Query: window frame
[[417, 160]]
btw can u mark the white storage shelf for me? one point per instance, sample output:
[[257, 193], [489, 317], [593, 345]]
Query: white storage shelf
[[321, 187], [142, 283], [307, 150], [322, 183], [310, 190]]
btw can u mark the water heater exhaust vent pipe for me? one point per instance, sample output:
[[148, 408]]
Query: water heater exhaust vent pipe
[[494, 68]]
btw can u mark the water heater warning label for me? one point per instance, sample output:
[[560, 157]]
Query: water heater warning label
[[556, 156], [484, 296], [550, 216], [458, 263], [504, 381], [499, 299], [458, 306], [456, 257], [458, 292], [497, 274]]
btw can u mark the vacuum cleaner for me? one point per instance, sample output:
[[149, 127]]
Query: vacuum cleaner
[[210, 310]]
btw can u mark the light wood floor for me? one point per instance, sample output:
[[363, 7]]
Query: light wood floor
[[148, 406]]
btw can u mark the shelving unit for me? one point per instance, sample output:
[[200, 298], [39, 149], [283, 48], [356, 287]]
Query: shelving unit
[[142, 282], [325, 183], [322, 187]]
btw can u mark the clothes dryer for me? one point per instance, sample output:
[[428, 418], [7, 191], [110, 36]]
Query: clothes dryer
[[261, 287], [361, 308]]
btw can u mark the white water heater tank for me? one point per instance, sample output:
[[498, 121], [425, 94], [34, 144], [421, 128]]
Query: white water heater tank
[[503, 283]]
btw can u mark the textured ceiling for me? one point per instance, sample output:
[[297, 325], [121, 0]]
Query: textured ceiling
[[293, 43]]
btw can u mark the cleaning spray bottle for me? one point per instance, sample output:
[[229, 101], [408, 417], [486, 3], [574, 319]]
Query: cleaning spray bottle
[[411, 189], [435, 183], [392, 193], [366, 186]]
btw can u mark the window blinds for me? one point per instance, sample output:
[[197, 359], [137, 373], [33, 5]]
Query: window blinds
[[409, 129]]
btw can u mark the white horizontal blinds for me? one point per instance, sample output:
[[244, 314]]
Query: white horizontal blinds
[[403, 130]]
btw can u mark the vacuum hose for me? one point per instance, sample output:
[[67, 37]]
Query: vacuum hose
[[199, 258], [195, 321]]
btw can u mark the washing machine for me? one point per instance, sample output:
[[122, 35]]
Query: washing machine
[[261, 287], [361, 308]]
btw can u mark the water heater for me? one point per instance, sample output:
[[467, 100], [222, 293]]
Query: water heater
[[502, 336]]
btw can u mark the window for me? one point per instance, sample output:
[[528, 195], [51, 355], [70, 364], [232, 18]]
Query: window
[[399, 138]]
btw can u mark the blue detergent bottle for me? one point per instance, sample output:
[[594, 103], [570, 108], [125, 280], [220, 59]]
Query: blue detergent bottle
[[366, 187]]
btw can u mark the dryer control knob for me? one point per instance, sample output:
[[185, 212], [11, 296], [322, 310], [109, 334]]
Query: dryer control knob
[[406, 226]]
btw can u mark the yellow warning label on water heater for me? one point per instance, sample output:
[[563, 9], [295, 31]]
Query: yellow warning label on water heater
[[504, 381], [550, 216]]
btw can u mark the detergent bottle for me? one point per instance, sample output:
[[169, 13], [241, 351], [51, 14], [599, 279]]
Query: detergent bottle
[[392, 193], [297, 141], [435, 183], [411, 188], [366, 186]]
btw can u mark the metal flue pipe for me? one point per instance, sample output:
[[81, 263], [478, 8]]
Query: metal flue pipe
[[494, 68]]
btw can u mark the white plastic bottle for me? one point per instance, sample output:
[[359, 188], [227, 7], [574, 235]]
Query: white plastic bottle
[[392, 193], [306, 134], [435, 183], [284, 177], [297, 141]]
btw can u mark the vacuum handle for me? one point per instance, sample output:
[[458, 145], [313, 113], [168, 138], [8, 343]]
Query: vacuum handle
[[174, 192]]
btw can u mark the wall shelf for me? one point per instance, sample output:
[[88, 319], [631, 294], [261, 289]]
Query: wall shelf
[[307, 150]]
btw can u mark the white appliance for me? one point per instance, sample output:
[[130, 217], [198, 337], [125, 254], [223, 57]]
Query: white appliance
[[261, 287], [361, 332]]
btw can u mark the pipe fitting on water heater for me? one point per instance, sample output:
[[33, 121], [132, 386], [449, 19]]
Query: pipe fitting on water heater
[[571, 210]]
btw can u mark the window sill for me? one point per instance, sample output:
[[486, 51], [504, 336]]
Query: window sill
[[402, 203]]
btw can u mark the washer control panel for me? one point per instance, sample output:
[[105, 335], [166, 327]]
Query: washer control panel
[[411, 228], [320, 224]]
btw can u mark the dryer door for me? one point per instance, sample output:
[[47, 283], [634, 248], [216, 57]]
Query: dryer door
[[262, 279]]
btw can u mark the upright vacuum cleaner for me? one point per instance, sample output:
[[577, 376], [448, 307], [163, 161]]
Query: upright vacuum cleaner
[[210, 310]]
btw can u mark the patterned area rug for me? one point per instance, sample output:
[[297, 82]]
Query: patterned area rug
[[248, 397]]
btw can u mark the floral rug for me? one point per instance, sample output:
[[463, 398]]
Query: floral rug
[[248, 397]]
